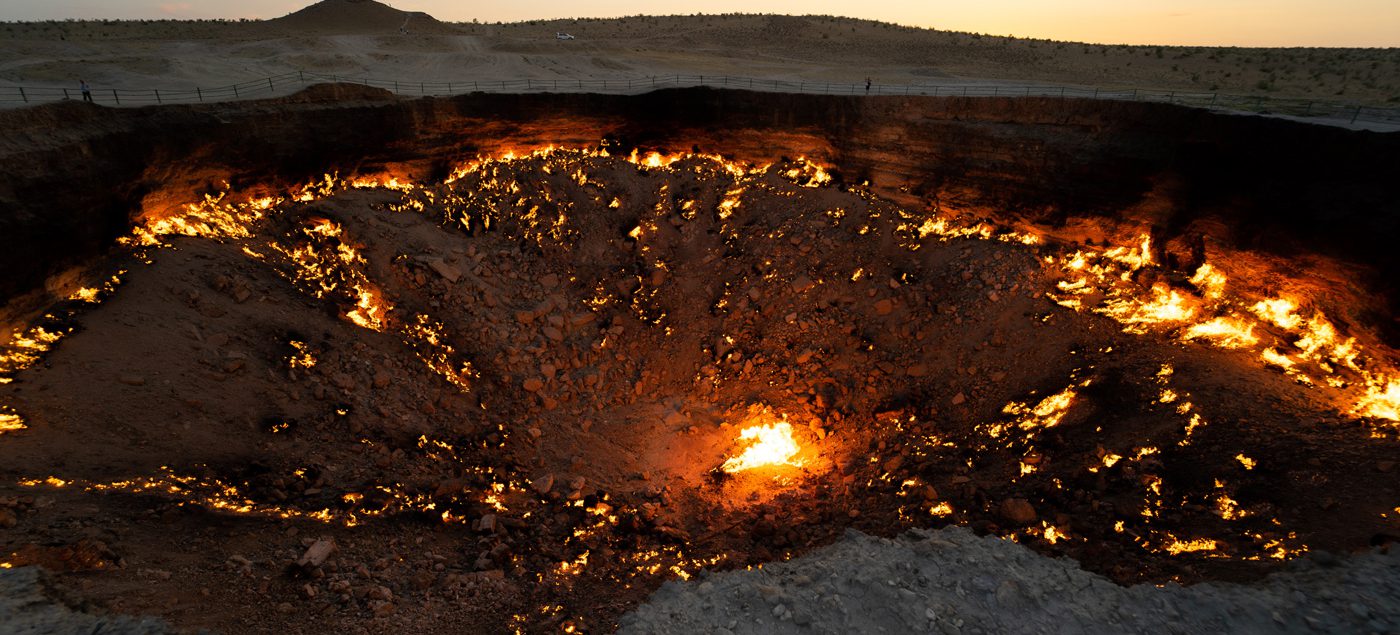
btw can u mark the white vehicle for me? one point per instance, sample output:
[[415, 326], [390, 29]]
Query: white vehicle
[[563, 36]]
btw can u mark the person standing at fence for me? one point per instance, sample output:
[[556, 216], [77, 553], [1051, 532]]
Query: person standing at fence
[[867, 85], [87, 90]]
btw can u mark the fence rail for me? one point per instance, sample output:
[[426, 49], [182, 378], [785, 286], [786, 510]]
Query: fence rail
[[287, 83]]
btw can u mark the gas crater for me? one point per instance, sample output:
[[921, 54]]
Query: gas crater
[[522, 390]]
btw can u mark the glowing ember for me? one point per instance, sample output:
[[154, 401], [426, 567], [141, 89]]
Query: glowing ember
[[1278, 311], [1046, 414], [770, 444], [1382, 399], [1165, 306], [10, 422], [1210, 281], [1276, 358], [1177, 546], [1223, 332]]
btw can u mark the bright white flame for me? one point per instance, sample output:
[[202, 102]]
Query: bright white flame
[[770, 444]]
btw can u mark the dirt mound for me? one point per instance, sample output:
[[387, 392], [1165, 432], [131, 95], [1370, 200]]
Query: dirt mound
[[337, 17], [340, 92]]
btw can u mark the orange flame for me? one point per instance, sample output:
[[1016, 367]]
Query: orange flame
[[769, 445]]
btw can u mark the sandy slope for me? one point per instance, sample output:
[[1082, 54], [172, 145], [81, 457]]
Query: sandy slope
[[376, 41]]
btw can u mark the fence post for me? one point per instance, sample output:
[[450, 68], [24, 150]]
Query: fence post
[[22, 95], [449, 88], [1096, 92], [421, 89], [115, 97], [157, 92], [301, 77], [235, 91], [1356, 114], [396, 85], [996, 91], [1062, 92], [1212, 98], [199, 93], [65, 93], [1134, 94], [270, 89]]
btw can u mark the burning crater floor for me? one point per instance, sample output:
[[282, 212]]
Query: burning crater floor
[[508, 400]]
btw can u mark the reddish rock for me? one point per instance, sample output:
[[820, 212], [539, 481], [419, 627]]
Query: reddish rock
[[1018, 511]]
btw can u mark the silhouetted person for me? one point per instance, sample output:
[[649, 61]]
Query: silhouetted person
[[867, 85], [87, 90]]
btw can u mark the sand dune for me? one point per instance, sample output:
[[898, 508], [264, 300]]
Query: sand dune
[[363, 38]]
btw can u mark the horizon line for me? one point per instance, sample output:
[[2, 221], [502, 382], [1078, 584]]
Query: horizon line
[[979, 34]]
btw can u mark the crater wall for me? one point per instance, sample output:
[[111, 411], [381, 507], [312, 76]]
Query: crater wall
[[74, 177]]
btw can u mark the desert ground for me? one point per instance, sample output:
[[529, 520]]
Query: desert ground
[[361, 40]]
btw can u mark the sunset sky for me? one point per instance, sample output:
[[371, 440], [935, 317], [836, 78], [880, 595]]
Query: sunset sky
[[1367, 23]]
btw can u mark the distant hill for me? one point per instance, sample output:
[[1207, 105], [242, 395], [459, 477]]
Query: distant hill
[[332, 17]]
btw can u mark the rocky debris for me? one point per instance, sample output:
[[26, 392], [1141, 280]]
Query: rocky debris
[[450, 272], [87, 554], [952, 581], [314, 556], [1017, 510], [543, 484], [242, 563]]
